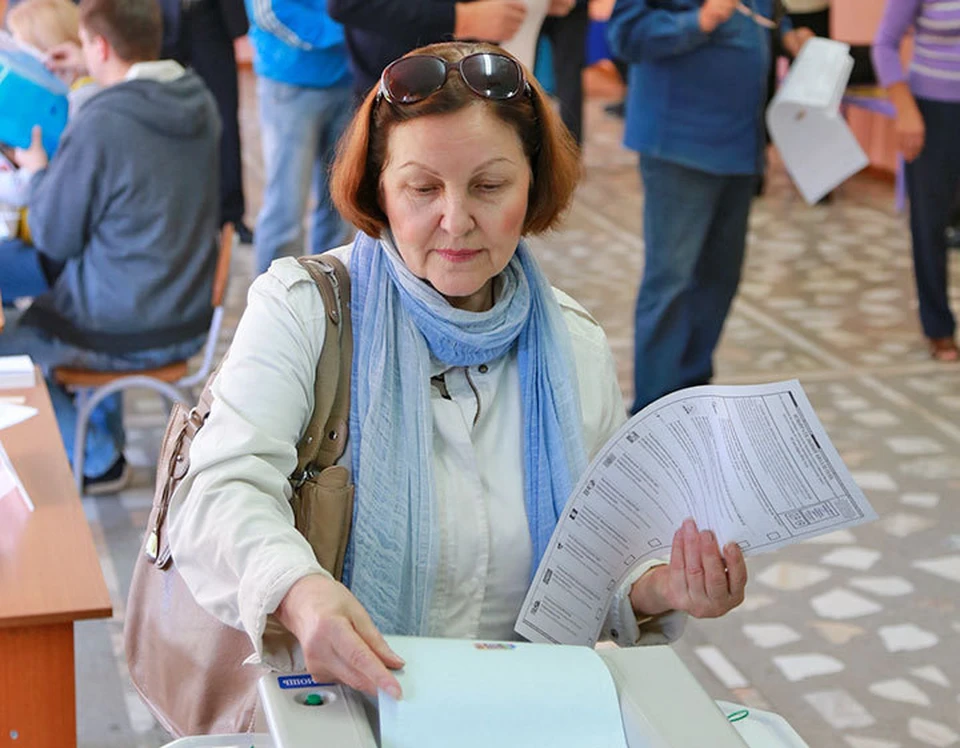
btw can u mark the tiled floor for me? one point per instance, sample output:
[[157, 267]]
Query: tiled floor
[[855, 638]]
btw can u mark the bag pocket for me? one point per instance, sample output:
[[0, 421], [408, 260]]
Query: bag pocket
[[323, 511]]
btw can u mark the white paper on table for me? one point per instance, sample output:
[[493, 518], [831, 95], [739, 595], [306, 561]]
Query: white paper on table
[[750, 462], [16, 372], [474, 694], [10, 481], [805, 122], [11, 414], [523, 45]]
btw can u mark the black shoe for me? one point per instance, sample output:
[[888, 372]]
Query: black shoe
[[115, 479], [244, 232], [617, 109]]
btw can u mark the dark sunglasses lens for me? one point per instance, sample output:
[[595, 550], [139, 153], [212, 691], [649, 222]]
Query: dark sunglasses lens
[[492, 76], [413, 79]]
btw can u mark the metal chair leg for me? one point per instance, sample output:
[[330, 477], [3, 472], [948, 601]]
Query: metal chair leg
[[88, 400], [80, 436]]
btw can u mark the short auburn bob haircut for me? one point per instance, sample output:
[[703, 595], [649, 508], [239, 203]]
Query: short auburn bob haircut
[[362, 152]]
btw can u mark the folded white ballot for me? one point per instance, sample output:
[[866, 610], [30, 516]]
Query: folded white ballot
[[817, 147], [750, 462], [474, 694], [523, 44]]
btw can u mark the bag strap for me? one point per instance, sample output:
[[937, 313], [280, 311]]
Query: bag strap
[[324, 440]]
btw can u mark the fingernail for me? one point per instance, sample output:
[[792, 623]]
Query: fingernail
[[394, 691]]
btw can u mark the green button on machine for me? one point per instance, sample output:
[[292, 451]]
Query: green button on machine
[[313, 699]]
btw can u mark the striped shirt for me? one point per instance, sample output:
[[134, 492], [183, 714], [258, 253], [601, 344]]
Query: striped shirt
[[935, 69]]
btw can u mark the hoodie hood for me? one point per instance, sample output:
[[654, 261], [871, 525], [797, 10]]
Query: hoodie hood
[[179, 108]]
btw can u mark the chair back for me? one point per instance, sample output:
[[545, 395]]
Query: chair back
[[220, 278], [223, 264]]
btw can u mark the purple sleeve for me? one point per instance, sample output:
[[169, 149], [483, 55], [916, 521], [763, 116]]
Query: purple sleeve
[[898, 17]]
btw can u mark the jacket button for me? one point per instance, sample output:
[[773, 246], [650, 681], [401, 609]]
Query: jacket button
[[483, 368]]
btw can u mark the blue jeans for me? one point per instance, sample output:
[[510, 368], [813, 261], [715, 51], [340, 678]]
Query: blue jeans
[[695, 230], [933, 181], [105, 435], [299, 128], [21, 273]]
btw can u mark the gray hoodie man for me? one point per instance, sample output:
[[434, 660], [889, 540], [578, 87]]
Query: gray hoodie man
[[129, 206]]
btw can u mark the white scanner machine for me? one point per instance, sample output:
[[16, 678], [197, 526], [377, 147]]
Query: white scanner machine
[[661, 706]]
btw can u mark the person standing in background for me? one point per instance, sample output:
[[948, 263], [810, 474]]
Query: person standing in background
[[303, 86], [566, 27], [200, 34], [927, 102], [698, 80], [379, 31]]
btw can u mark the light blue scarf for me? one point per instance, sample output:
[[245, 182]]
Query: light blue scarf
[[398, 322]]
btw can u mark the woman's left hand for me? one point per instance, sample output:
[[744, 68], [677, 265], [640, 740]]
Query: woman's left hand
[[794, 40], [699, 580]]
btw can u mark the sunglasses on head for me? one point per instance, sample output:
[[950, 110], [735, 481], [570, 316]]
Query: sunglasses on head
[[487, 74]]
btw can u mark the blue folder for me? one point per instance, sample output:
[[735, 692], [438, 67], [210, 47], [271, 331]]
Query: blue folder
[[29, 95]]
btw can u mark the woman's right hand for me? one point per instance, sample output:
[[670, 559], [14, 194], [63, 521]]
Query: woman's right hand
[[910, 130], [339, 640]]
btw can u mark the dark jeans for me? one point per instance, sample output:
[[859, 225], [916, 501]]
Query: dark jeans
[[21, 271], [933, 180], [695, 230], [568, 42], [205, 45]]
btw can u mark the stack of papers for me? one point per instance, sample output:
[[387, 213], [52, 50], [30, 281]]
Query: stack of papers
[[750, 462], [16, 372]]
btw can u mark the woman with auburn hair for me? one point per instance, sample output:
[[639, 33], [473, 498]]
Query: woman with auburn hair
[[478, 394]]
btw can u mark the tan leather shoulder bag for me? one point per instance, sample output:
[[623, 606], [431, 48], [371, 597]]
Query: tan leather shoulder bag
[[186, 664]]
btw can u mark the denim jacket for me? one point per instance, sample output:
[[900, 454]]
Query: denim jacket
[[695, 99]]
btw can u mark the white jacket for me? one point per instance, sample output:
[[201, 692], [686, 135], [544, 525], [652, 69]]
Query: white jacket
[[231, 526]]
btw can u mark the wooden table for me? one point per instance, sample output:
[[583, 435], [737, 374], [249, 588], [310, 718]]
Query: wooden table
[[49, 577]]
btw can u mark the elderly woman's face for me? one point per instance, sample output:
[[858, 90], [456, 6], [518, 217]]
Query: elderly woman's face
[[454, 189]]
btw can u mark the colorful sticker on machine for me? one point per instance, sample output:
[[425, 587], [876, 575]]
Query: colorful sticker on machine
[[296, 681]]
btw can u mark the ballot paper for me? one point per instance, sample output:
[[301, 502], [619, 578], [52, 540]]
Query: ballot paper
[[752, 463], [11, 414], [523, 45], [805, 122], [475, 694], [10, 482]]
